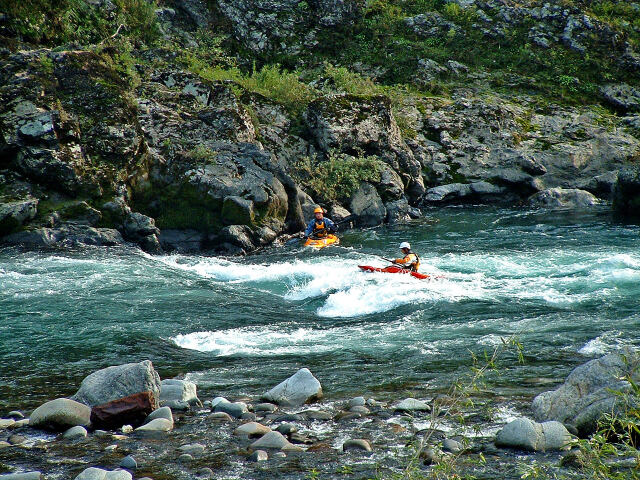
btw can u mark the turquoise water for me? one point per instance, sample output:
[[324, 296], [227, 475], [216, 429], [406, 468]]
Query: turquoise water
[[568, 285]]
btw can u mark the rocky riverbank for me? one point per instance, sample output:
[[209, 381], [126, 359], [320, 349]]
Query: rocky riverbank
[[124, 422], [159, 134]]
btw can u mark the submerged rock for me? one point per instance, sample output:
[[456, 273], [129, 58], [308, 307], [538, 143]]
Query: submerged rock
[[357, 444], [298, 389], [563, 198]]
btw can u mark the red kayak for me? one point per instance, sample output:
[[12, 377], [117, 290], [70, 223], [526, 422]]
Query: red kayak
[[392, 269]]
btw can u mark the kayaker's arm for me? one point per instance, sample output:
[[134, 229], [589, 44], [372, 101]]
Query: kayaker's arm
[[309, 229]]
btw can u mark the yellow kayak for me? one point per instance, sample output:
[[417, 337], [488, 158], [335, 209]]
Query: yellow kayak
[[322, 242]]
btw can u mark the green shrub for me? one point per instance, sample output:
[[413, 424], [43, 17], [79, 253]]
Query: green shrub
[[53, 22], [338, 177]]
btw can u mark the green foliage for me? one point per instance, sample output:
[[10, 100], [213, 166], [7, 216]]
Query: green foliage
[[272, 81], [202, 154], [54, 22], [338, 177]]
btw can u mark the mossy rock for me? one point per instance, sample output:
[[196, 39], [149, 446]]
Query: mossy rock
[[238, 211]]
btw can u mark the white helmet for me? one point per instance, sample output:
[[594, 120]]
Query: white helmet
[[405, 245]]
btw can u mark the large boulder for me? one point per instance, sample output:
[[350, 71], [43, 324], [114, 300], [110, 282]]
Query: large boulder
[[13, 214], [626, 193], [60, 414], [298, 389], [563, 198], [367, 205], [119, 381], [537, 437], [590, 391]]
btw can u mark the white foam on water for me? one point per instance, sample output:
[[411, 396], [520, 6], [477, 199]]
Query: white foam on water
[[602, 344]]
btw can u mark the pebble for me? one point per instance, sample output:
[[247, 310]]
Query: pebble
[[6, 423], [192, 448], [75, 432], [280, 455], [236, 409], [164, 412], [22, 476], [356, 402], [453, 446], [286, 428], [274, 440], [126, 429], [360, 409], [185, 458], [344, 416], [219, 417], [251, 429], [289, 417], [259, 456], [16, 439], [129, 463], [357, 444], [265, 407], [317, 415], [412, 405], [205, 472], [157, 425], [110, 448]]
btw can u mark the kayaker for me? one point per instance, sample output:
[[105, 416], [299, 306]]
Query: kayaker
[[319, 226], [410, 261]]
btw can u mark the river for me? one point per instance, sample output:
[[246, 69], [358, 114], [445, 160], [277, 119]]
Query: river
[[566, 284]]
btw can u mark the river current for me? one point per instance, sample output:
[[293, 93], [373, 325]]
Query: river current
[[566, 284]]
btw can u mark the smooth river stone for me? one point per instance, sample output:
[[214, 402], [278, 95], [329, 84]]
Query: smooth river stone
[[412, 405], [251, 429], [60, 414], [94, 473], [357, 444], [300, 388], [274, 440]]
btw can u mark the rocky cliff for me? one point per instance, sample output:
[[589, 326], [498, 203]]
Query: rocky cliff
[[219, 125]]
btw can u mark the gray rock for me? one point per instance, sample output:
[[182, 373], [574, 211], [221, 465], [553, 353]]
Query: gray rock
[[412, 405], [587, 393], [357, 444], [453, 446], [6, 423], [529, 435], [447, 193], [317, 415], [119, 381], [16, 439], [367, 205], [185, 458], [298, 389], [235, 409], [249, 417], [626, 194], [60, 414], [275, 441], [129, 463], [265, 407], [360, 409], [259, 456], [356, 402], [94, 473], [622, 97], [220, 417], [74, 433], [563, 198], [192, 448], [251, 429], [16, 213], [157, 425], [22, 476], [179, 394], [286, 428], [162, 412]]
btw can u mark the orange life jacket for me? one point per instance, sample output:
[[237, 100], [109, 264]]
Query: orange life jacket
[[411, 261], [319, 229]]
